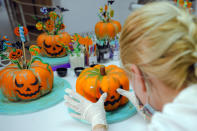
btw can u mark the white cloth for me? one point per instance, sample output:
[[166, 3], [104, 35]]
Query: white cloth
[[180, 115]]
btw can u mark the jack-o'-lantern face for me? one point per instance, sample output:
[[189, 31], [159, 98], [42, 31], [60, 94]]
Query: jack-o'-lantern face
[[27, 85], [113, 98], [54, 50], [52, 45]]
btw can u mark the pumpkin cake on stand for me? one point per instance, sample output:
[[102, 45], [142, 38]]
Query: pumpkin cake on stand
[[28, 85], [94, 81], [106, 30], [53, 40]]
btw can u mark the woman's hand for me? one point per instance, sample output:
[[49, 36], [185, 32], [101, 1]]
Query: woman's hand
[[130, 95], [94, 113], [133, 99]]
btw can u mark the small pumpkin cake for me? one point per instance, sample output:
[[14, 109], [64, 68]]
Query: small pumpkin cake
[[107, 29], [52, 45], [26, 84], [94, 81], [54, 38]]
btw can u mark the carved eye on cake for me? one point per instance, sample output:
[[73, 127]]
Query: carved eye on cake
[[113, 98]]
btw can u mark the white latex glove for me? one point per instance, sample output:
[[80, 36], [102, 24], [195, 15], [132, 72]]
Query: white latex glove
[[130, 95], [133, 99], [94, 113]]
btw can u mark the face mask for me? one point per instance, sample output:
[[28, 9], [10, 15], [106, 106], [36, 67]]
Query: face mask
[[149, 110], [145, 110]]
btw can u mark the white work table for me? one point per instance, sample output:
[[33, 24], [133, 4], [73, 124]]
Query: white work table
[[57, 118]]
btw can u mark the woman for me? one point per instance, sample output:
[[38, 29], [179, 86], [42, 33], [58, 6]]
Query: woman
[[158, 47]]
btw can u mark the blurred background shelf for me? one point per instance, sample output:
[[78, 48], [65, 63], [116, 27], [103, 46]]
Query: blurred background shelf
[[22, 12], [82, 16]]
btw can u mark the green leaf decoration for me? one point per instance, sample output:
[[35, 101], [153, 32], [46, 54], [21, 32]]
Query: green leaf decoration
[[101, 18], [112, 13], [35, 18], [32, 50], [37, 58], [13, 49], [17, 63], [4, 57]]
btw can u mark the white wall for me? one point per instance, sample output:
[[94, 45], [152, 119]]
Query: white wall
[[82, 16], [123, 9], [5, 27]]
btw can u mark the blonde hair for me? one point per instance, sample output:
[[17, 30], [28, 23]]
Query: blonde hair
[[160, 38]]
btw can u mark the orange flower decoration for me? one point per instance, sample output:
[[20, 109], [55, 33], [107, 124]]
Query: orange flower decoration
[[49, 25], [76, 37], [13, 56], [34, 50], [53, 15], [189, 4], [19, 53], [62, 26], [88, 41], [5, 38], [106, 7], [39, 26], [17, 33], [82, 40], [181, 2]]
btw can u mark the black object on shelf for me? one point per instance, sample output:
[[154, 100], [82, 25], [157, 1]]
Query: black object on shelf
[[62, 72], [102, 50], [93, 65], [78, 70]]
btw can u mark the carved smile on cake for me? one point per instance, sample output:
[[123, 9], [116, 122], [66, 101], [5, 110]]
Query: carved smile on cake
[[112, 97], [28, 89]]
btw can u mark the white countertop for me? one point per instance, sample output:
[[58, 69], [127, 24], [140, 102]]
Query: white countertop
[[56, 118]]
